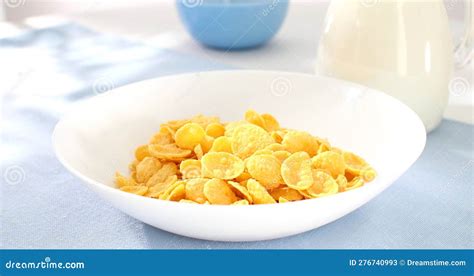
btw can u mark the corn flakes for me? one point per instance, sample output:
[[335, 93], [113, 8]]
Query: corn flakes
[[331, 162], [167, 170], [202, 160], [160, 187], [296, 171], [265, 168], [282, 200], [295, 141], [138, 190], [258, 192], [141, 152], [270, 123], [147, 168], [241, 202], [253, 117], [240, 190], [177, 193], [323, 184], [248, 138], [195, 189], [221, 165], [287, 193], [217, 191], [168, 152], [221, 144], [215, 130], [189, 136], [206, 143], [123, 181], [190, 168]]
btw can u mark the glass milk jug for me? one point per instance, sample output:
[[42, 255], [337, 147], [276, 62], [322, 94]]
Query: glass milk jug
[[401, 47]]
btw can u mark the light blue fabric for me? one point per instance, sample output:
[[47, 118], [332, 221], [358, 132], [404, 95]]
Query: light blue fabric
[[44, 206]]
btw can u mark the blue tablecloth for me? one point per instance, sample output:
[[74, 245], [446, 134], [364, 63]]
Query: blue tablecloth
[[43, 206]]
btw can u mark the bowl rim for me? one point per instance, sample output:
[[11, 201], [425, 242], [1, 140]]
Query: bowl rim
[[334, 197]]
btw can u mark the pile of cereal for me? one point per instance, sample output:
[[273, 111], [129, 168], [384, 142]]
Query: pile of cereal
[[253, 161]]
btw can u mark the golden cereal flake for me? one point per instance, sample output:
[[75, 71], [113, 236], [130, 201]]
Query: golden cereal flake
[[295, 141], [275, 147], [190, 168], [221, 165], [356, 182], [159, 188], [282, 200], [243, 176], [253, 117], [178, 193], [231, 126], [195, 189], [147, 168], [207, 143], [189, 135], [123, 181], [240, 190], [168, 152], [258, 192], [281, 155], [166, 194], [217, 191], [287, 193], [168, 169], [138, 190], [215, 130], [331, 162], [265, 168], [241, 202], [271, 124], [296, 171], [248, 138], [341, 182], [204, 121], [175, 124], [141, 152], [323, 184], [221, 144], [163, 137], [198, 151]]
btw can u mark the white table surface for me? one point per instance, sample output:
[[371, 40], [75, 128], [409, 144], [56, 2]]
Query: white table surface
[[293, 49]]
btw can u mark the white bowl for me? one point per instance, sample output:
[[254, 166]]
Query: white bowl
[[99, 137]]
